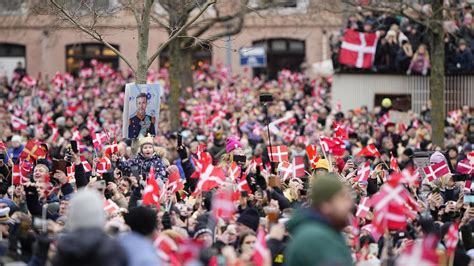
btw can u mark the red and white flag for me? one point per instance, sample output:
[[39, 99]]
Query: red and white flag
[[262, 253], [298, 166], [465, 166], [223, 205], [18, 123], [110, 207], [369, 151], [385, 119], [453, 237], [103, 165], [99, 139], [333, 145], [278, 153], [174, 182], [340, 132], [71, 171], [393, 205], [152, 190], [436, 171], [363, 173], [285, 169], [87, 166], [358, 49], [394, 163], [420, 252], [211, 177], [468, 186], [363, 208], [411, 176], [29, 81], [234, 171], [19, 175], [312, 155]]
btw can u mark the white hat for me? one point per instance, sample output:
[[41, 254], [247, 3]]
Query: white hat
[[16, 138], [86, 210]]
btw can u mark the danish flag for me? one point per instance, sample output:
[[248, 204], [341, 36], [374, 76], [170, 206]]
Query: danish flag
[[298, 166], [363, 208], [210, 178], [99, 139], [436, 171], [358, 49], [87, 166], [18, 123], [363, 173], [110, 207], [468, 186], [384, 120], [285, 169], [152, 190], [234, 171], [420, 252], [278, 153], [261, 250], [369, 151], [333, 145], [312, 155], [340, 132], [453, 237], [103, 165], [174, 182], [394, 163], [29, 81], [223, 205], [465, 166], [20, 173]]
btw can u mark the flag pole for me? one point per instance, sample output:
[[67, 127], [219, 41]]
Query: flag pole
[[325, 155], [267, 121]]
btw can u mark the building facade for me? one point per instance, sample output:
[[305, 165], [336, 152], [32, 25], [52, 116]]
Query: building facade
[[294, 36]]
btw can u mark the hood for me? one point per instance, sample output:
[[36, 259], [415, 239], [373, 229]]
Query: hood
[[304, 216], [84, 243]]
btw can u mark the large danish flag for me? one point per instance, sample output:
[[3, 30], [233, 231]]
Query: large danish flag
[[358, 49]]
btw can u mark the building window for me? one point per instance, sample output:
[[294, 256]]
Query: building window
[[13, 7], [12, 50], [281, 54], [84, 7], [202, 55], [11, 55], [79, 55], [281, 7]]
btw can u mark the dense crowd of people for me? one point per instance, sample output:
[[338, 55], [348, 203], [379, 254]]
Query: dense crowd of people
[[218, 193], [403, 45]]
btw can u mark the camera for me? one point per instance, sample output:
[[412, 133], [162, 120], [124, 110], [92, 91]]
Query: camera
[[266, 98]]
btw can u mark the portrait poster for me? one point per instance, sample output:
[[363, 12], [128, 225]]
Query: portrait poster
[[141, 110]]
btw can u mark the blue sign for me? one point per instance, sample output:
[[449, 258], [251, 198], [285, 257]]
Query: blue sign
[[253, 57]]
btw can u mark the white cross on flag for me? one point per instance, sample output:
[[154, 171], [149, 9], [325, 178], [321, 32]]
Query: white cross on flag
[[298, 166], [87, 166], [363, 207], [420, 252], [152, 190], [453, 237], [223, 205], [312, 155], [18, 123], [99, 139], [468, 186], [363, 173], [358, 49], [285, 169], [110, 207], [436, 171], [103, 165], [278, 153], [261, 251], [211, 177], [465, 166]]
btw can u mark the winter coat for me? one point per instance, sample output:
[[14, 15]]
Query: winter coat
[[464, 59], [315, 241], [139, 250], [90, 247], [142, 166]]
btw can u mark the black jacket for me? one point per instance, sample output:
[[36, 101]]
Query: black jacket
[[90, 247]]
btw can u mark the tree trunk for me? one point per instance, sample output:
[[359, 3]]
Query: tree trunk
[[186, 71], [143, 33], [175, 84], [437, 77]]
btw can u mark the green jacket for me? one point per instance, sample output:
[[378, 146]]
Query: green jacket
[[315, 242]]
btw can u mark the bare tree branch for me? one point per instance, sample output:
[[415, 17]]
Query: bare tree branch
[[91, 32], [176, 34]]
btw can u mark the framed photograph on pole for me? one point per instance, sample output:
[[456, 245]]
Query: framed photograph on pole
[[141, 110]]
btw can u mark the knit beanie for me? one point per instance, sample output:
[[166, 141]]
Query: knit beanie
[[322, 164], [437, 157], [232, 143], [324, 188], [141, 220], [250, 218], [86, 210], [201, 228]]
